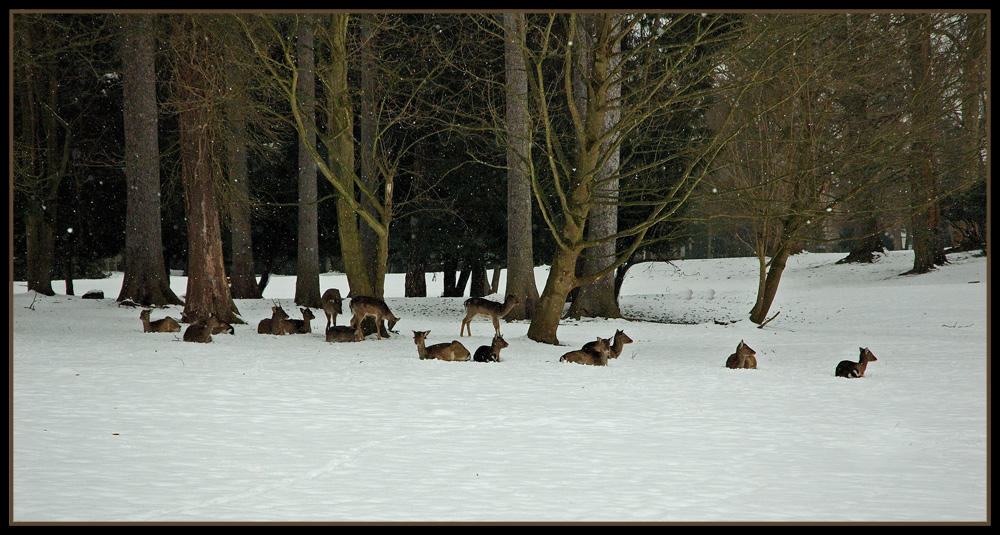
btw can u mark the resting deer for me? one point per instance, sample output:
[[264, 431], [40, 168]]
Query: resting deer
[[363, 307], [272, 325], [478, 306], [165, 325], [847, 368], [343, 333], [597, 356], [220, 327], [333, 305], [743, 358], [201, 331], [491, 353], [302, 326], [453, 351], [617, 343]]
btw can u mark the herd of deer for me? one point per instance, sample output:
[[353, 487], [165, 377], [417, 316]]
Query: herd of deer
[[594, 353]]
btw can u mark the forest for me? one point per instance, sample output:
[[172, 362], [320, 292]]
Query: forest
[[234, 146]]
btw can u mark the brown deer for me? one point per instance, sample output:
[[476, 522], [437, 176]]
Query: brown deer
[[343, 333], [617, 344], [453, 351], [165, 325], [363, 307], [598, 356], [743, 358], [302, 326], [847, 368], [478, 306], [201, 331], [333, 305], [272, 325], [491, 353]]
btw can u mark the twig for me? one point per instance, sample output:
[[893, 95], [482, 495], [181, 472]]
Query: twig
[[761, 326]]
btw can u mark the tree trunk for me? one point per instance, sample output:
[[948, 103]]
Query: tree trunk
[[242, 281], [520, 255], [867, 241], [307, 291], [146, 281], [368, 174], [548, 312], [41, 247], [769, 286]]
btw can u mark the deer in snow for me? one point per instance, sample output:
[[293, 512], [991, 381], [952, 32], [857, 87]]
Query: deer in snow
[[272, 325], [363, 307], [491, 353], [617, 344], [743, 358], [333, 305], [201, 331], [453, 351], [478, 306], [302, 326], [847, 368], [165, 325], [343, 333], [597, 356]]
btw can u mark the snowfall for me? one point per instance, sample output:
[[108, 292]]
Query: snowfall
[[111, 424]]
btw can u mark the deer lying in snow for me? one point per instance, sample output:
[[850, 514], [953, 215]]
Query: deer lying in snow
[[333, 305], [491, 353], [743, 358], [847, 368], [272, 325], [302, 326], [165, 325], [343, 333], [596, 356], [363, 307], [202, 330], [617, 344], [453, 351], [478, 306]]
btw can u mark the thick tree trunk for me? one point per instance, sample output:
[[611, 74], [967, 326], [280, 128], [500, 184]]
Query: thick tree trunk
[[867, 241], [242, 281], [769, 285], [548, 312], [307, 291], [41, 247]]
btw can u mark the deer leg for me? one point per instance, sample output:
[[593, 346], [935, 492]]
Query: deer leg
[[496, 325]]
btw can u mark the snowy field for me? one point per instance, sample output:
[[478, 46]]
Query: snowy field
[[110, 424]]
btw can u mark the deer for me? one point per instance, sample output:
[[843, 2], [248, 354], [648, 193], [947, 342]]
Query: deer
[[165, 325], [598, 356], [302, 326], [847, 368], [491, 353], [201, 331], [453, 351], [743, 358], [343, 333], [333, 305], [272, 325], [478, 306], [363, 307], [618, 342]]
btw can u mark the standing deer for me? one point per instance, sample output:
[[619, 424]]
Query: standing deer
[[453, 351], [343, 333], [743, 358], [272, 325], [201, 331], [165, 325], [598, 356], [302, 326], [617, 344], [847, 368], [333, 305], [491, 353], [363, 307], [478, 306]]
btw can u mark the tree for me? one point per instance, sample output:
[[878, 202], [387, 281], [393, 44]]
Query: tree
[[307, 291], [145, 278]]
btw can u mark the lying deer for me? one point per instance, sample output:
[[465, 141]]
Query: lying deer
[[302, 326], [617, 344], [847, 368], [272, 325], [333, 305], [453, 351], [201, 331], [363, 307], [165, 325], [220, 327], [597, 356], [743, 358], [478, 306], [343, 333], [491, 353]]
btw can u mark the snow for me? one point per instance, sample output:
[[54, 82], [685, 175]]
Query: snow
[[111, 424]]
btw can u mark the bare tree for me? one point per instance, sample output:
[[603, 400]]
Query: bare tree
[[307, 291]]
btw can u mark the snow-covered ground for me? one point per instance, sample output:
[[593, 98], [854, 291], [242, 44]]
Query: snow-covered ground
[[111, 424]]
